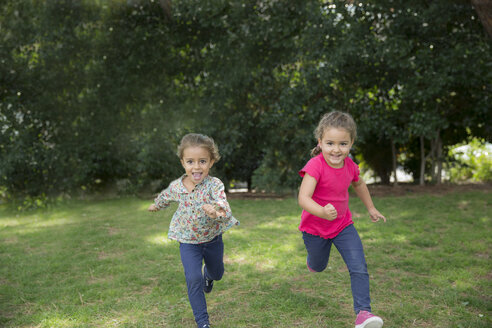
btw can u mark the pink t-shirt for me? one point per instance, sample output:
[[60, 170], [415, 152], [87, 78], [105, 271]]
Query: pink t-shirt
[[332, 187]]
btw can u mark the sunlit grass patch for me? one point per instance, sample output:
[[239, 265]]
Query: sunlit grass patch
[[159, 239], [110, 264]]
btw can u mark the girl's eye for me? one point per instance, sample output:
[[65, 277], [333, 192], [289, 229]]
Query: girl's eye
[[189, 162], [203, 161]]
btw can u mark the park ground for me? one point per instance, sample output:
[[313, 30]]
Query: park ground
[[402, 189], [108, 263]]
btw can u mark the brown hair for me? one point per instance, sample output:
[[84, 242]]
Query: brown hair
[[199, 140], [337, 120]]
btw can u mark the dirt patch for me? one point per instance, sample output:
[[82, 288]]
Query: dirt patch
[[256, 195], [409, 189], [385, 191]]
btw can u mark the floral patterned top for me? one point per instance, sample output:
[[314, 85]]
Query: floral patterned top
[[190, 224]]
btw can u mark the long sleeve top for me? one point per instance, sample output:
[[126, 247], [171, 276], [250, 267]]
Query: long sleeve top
[[189, 223]]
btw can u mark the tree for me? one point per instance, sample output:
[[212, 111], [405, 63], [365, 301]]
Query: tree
[[109, 88], [484, 11], [400, 78]]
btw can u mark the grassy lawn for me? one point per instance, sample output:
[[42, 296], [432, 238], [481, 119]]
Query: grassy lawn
[[109, 264]]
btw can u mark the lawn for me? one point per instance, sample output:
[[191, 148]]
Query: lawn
[[108, 263]]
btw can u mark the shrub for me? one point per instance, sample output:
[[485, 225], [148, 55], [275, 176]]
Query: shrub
[[471, 162]]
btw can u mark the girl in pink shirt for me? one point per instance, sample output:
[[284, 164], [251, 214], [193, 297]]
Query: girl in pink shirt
[[326, 218]]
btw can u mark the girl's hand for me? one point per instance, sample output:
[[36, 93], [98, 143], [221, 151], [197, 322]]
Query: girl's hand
[[209, 211], [375, 215], [152, 208], [329, 211]]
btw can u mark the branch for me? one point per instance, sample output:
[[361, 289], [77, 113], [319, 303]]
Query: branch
[[484, 11]]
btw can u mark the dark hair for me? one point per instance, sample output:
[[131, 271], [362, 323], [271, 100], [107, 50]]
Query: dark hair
[[335, 119], [199, 140]]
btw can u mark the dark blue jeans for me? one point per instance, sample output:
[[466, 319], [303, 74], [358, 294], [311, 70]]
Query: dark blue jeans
[[192, 257], [349, 245]]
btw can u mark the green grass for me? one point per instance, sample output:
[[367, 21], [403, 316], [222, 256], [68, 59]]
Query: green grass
[[109, 264]]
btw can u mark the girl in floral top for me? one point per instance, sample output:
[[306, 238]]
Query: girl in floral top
[[202, 216]]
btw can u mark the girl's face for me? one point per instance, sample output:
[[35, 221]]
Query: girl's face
[[197, 163], [335, 146]]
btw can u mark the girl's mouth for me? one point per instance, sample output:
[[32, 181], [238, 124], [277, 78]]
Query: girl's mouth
[[336, 158], [197, 176]]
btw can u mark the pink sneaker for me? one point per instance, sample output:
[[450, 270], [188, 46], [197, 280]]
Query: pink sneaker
[[368, 320]]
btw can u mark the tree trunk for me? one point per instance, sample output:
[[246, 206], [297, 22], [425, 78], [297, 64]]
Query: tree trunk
[[436, 155], [484, 12], [433, 159], [393, 154], [439, 160], [422, 161], [424, 157]]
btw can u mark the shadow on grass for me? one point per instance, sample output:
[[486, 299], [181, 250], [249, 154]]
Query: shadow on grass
[[61, 267], [109, 264]]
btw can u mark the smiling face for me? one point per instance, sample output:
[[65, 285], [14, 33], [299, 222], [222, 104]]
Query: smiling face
[[335, 146], [197, 163]]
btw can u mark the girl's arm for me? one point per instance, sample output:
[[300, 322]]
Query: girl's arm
[[361, 190], [163, 199], [220, 209], [306, 201]]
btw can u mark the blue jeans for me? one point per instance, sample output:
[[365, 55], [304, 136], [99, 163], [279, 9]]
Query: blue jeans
[[192, 257], [349, 245]]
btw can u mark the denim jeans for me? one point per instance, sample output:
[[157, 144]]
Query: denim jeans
[[349, 245], [192, 257]]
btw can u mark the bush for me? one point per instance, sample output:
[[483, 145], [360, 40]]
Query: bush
[[471, 162]]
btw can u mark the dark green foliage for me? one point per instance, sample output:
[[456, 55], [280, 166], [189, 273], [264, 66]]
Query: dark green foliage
[[94, 93]]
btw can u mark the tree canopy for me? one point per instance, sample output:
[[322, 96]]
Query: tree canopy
[[97, 92]]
